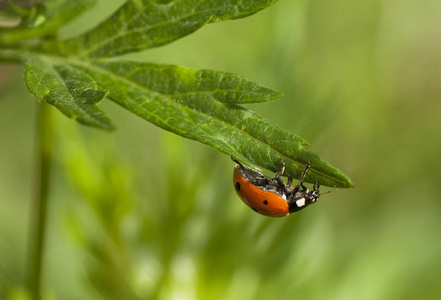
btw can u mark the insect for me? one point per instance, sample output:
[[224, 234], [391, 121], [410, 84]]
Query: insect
[[271, 196]]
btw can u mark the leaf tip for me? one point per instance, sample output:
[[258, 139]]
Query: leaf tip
[[347, 183], [110, 128], [275, 95]]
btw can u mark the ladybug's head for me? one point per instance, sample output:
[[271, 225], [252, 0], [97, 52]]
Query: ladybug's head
[[314, 194]]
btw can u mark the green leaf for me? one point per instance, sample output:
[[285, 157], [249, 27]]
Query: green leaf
[[186, 102], [202, 105], [144, 24], [68, 88], [44, 20]]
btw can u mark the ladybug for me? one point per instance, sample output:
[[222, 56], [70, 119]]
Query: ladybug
[[271, 196]]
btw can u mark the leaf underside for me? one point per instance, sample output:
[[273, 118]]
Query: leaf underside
[[70, 89], [203, 105]]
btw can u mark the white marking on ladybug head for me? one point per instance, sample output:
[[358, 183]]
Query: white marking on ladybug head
[[300, 202]]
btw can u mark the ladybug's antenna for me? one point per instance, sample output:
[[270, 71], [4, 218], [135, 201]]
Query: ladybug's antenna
[[328, 192]]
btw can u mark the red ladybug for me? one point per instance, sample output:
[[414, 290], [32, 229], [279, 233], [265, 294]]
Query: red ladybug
[[271, 196]]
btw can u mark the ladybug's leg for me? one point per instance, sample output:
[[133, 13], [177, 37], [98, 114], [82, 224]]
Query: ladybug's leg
[[232, 158], [283, 168], [288, 190], [278, 176], [288, 184], [302, 178], [280, 182]]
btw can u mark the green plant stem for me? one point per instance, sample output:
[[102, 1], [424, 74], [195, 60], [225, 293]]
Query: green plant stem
[[39, 209]]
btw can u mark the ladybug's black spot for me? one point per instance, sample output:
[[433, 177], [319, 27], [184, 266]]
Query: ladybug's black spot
[[237, 185], [254, 209], [265, 202]]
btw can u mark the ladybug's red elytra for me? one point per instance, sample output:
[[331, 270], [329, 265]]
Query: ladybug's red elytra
[[271, 196]]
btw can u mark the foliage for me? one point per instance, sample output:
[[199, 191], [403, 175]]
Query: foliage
[[75, 74]]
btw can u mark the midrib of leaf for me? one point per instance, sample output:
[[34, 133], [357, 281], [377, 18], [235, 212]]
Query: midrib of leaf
[[207, 92]]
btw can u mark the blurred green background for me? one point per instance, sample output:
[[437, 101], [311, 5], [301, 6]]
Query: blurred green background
[[144, 214]]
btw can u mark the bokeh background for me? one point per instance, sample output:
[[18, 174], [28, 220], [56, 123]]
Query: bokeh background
[[144, 214]]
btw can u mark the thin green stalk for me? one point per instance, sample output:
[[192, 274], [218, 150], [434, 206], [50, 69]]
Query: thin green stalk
[[39, 210]]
